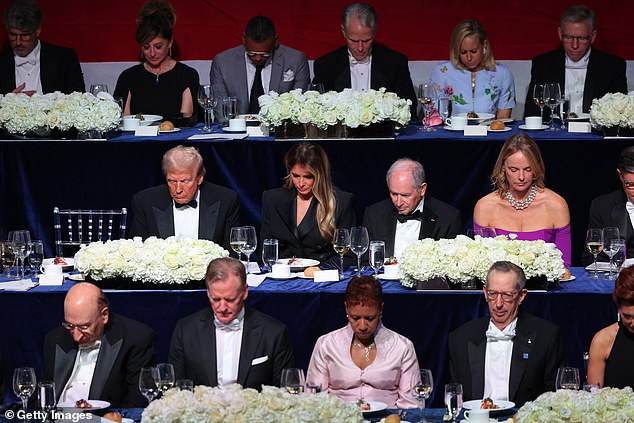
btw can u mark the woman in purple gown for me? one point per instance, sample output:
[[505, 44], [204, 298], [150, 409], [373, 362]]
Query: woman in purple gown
[[521, 204]]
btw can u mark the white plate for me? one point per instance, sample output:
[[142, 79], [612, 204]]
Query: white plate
[[233, 132], [374, 406], [524, 127], [123, 420], [251, 120], [385, 277], [299, 264], [580, 117], [96, 405], [169, 132], [506, 129], [149, 119], [270, 276], [481, 117], [490, 421], [70, 263], [502, 405], [451, 128], [602, 266], [77, 277], [570, 279]]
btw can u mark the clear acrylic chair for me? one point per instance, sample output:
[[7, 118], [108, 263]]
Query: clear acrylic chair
[[74, 227]]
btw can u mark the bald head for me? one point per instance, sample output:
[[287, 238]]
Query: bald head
[[86, 312]]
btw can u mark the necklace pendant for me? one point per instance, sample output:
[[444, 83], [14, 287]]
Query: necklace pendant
[[156, 81]]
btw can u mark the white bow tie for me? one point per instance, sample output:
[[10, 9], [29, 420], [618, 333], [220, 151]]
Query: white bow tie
[[494, 336], [363, 61], [629, 207], [20, 61], [232, 326]]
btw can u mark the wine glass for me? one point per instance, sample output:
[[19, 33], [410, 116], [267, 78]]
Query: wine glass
[[166, 378], [594, 243], [341, 244], [552, 98], [426, 99], [293, 380], [24, 383], [564, 110], [270, 251], [185, 385], [568, 378], [250, 244], [148, 383], [95, 89], [238, 239], [207, 100], [7, 258], [316, 86], [538, 98], [444, 105], [621, 254], [20, 241], [377, 255], [46, 392], [36, 256], [422, 391], [610, 235], [359, 241], [453, 399]]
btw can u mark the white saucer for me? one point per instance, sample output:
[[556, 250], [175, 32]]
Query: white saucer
[[506, 129], [570, 279], [169, 132], [490, 420], [451, 128], [270, 276], [384, 277], [524, 127], [233, 132]]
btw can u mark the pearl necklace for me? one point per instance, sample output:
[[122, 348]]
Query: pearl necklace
[[366, 349], [521, 205], [162, 69]]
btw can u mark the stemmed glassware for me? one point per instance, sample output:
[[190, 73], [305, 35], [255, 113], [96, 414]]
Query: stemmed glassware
[[341, 244], [453, 399], [166, 378], [148, 383], [422, 391], [552, 98], [238, 239], [594, 243], [24, 383], [377, 255], [293, 380], [359, 242], [610, 236], [426, 99], [538, 98], [568, 378], [316, 86], [444, 104], [207, 100], [98, 88], [621, 254], [20, 241], [36, 255], [270, 251], [251, 243], [7, 258]]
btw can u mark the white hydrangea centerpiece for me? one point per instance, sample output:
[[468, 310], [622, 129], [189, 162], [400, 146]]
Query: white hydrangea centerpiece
[[155, 260], [20, 113], [613, 110], [462, 259], [234, 404], [348, 107]]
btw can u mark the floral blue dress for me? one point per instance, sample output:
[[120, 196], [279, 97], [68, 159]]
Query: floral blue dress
[[493, 90]]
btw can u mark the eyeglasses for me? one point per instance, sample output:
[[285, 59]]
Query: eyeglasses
[[81, 328], [628, 185], [24, 37], [581, 39], [507, 297], [264, 54]]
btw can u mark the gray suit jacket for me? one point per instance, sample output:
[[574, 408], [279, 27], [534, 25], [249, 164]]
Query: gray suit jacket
[[229, 75]]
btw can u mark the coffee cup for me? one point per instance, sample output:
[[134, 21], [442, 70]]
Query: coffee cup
[[281, 271], [51, 269], [457, 122], [130, 123], [477, 415], [237, 125], [533, 122]]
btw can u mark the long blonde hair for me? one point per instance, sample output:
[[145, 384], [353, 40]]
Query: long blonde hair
[[515, 143], [314, 158]]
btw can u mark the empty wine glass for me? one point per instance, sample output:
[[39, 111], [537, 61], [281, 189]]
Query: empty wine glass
[[207, 100], [341, 244], [251, 243], [148, 383], [453, 399], [36, 256], [611, 234], [95, 89], [166, 378], [568, 378], [426, 99], [293, 380], [238, 239], [538, 98], [377, 255], [620, 255], [359, 242], [422, 391], [270, 251], [552, 98], [594, 243], [444, 106], [20, 241], [24, 383]]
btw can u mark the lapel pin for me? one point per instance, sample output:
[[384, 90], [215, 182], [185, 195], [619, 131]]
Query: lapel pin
[[525, 356], [530, 341]]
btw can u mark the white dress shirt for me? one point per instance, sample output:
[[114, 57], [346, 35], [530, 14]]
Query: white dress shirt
[[360, 73], [228, 346], [497, 361], [266, 74], [575, 81], [186, 220], [629, 207], [78, 385], [27, 70], [407, 232]]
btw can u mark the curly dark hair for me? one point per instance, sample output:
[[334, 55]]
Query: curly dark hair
[[624, 288], [364, 290], [155, 19]]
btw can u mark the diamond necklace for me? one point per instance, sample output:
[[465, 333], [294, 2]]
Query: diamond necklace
[[366, 349], [161, 69], [521, 205]]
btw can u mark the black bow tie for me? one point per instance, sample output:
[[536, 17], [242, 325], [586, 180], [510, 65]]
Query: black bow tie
[[193, 204], [417, 215]]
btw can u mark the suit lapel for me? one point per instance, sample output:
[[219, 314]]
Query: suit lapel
[[476, 350], [622, 218], [207, 347], [164, 220], [207, 219], [390, 221], [588, 87], [45, 60], [63, 367], [427, 223], [252, 332], [107, 356], [277, 67], [522, 347]]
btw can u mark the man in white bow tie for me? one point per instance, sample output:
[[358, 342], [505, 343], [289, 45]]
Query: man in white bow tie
[[31, 65], [229, 343], [509, 355]]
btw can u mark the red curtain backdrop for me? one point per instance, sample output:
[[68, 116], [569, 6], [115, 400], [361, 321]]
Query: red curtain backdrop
[[103, 31]]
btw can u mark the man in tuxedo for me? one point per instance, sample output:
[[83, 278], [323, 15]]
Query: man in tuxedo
[[256, 67], [616, 209], [230, 343], [409, 215], [509, 355], [185, 205], [583, 72], [97, 354], [31, 65], [363, 64]]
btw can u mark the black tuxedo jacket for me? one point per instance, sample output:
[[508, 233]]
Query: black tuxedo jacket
[[126, 347], [538, 351], [266, 349], [153, 213], [59, 70], [609, 210], [605, 74], [390, 69], [278, 221], [440, 220]]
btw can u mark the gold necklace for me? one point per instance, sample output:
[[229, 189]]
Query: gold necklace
[[366, 349], [161, 70]]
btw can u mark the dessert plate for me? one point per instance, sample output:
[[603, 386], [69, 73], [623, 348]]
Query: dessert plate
[[502, 405], [524, 127]]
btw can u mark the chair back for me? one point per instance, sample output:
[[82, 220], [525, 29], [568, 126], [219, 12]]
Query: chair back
[[76, 227]]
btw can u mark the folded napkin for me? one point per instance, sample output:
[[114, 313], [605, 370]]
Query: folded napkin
[[255, 280], [21, 285], [218, 136]]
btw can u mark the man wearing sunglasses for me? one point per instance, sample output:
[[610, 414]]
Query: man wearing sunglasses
[[582, 71], [32, 65]]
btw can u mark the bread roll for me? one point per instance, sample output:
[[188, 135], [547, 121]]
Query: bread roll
[[115, 417], [497, 125], [309, 272], [166, 126], [392, 418], [566, 274]]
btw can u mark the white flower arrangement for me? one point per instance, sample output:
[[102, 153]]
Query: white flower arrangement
[[613, 109], [20, 113], [155, 260], [234, 404], [600, 405], [350, 108], [463, 258]]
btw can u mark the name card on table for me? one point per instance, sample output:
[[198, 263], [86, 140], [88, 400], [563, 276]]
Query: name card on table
[[258, 131], [51, 280], [327, 276], [475, 130], [146, 131], [583, 127]]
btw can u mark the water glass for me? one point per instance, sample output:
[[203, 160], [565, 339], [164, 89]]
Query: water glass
[[377, 255], [426, 99], [166, 378], [316, 86], [293, 380], [229, 109], [620, 255], [453, 399], [359, 242], [148, 383], [185, 385], [568, 378], [312, 388], [207, 100], [270, 248], [444, 107], [611, 234], [46, 392], [251, 243], [36, 256], [98, 88]]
